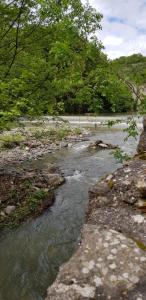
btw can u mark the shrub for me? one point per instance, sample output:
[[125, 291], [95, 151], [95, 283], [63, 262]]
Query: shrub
[[11, 141]]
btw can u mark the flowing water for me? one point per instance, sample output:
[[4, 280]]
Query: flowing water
[[30, 256]]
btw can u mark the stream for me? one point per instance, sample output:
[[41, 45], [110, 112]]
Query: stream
[[30, 255]]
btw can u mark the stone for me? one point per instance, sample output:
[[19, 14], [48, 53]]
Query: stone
[[142, 142], [99, 145], [102, 201], [141, 203], [55, 180], [104, 278], [130, 200], [48, 201], [95, 144], [109, 177], [99, 189], [141, 186], [138, 219], [102, 145], [9, 209], [63, 145], [2, 214]]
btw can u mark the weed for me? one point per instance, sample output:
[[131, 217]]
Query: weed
[[11, 141], [120, 155], [77, 131]]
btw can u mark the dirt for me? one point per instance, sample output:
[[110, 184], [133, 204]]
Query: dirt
[[26, 193]]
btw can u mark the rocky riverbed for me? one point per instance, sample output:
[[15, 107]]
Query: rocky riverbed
[[27, 191], [110, 262], [29, 143]]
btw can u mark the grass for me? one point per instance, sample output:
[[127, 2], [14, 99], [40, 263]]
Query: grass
[[9, 141], [29, 207], [56, 133]]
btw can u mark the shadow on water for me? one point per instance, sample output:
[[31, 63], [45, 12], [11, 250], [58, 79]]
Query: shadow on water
[[31, 255]]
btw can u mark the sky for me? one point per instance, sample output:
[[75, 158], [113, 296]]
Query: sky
[[123, 26]]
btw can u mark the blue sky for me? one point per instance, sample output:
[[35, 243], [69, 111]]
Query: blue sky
[[124, 26]]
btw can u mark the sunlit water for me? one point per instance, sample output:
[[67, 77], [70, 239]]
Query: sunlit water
[[30, 256]]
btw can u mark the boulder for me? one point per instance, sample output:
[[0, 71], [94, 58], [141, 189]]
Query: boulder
[[99, 145], [55, 180], [142, 142], [107, 265], [99, 189]]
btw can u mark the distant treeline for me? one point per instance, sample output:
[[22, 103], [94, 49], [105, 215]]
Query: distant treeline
[[51, 62]]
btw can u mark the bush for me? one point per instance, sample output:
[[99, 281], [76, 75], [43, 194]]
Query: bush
[[11, 141]]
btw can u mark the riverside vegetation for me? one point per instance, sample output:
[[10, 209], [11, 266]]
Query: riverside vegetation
[[49, 65]]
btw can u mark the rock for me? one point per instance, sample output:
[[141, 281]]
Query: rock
[[63, 145], [107, 265], [141, 204], [55, 180], [109, 177], [126, 182], [130, 200], [95, 144], [138, 219], [102, 201], [142, 142], [99, 189], [48, 201], [70, 145], [2, 214], [9, 209], [141, 186], [99, 145]]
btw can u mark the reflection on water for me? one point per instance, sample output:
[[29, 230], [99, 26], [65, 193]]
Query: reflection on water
[[31, 255]]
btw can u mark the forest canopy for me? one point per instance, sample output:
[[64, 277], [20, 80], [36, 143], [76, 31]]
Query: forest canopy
[[52, 62]]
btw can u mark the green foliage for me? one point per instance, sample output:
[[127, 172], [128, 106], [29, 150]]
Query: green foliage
[[11, 141], [120, 155], [111, 123], [58, 133], [35, 198], [77, 131], [30, 206], [131, 130], [52, 63], [132, 71]]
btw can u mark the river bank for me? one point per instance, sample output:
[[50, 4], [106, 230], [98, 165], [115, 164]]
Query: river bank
[[32, 253], [110, 262], [27, 192], [27, 143]]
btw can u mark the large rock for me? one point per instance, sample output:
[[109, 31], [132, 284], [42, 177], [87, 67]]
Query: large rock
[[99, 145], [107, 265], [54, 180], [99, 189], [110, 263], [142, 142]]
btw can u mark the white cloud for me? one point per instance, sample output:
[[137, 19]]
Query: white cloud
[[111, 40], [124, 26]]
